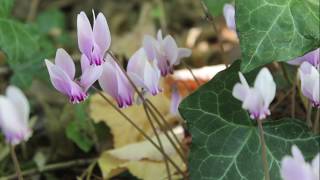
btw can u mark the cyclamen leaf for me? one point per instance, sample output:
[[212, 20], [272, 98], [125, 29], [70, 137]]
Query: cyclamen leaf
[[225, 141], [276, 30], [6, 7]]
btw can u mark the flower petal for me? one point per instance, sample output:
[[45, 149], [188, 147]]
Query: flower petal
[[294, 170], [65, 62], [20, 101], [159, 35], [14, 129], [84, 62], [85, 34], [149, 45], [170, 49], [89, 76], [265, 84], [229, 15], [182, 53], [296, 154], [59, 79], [309, 78], [101, 33]]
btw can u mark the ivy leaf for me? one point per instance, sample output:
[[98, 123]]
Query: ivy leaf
[[225, 141], [216, 6], [276, 30], [6, 7]]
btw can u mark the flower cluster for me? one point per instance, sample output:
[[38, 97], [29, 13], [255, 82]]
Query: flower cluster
[[296, 168], [157, 57], [14, 116]]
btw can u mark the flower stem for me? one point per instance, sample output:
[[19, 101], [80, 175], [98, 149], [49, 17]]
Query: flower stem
[[264, 153], [309, 114], [293, 96], [141, 131], [191, 72], [158, 139], [316, 121], [16, 162]]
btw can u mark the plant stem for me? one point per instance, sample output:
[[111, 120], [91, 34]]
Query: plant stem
[[52, 167], [16, 162], [210, 19], [316, 121], [309, 114], [158, 139], [141, 131], [191, 72], [264, 152], [293, 97], [162, 118], [180, 153]]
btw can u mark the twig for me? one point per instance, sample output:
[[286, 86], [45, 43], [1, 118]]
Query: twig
[[51, 167], [33, 10], [264, 153], [191, 72], [210, 19], [140, 130], [16, 162], [316, 121], [158, 139]]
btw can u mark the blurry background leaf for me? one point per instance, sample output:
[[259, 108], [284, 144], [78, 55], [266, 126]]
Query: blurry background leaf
[[51, 20], [216, 6], [6, 7], [277, 31], [225, 141]]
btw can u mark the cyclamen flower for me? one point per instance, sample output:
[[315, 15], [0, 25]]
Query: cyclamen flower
[[229, 16], [144, 73], [310, 78], [93, 42], [175, 100], [115, 83], [14, 116], [295, 167], [62, 76], [258, 98], [164, 51], [312, 57]]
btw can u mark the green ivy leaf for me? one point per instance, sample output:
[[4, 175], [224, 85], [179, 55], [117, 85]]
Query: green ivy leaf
[[276, 30], [216, 6], [79, 129], [225, 141], [6, 7]]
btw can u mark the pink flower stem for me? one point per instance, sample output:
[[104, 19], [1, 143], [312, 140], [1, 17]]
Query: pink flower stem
[[264, 152], [16, 162]]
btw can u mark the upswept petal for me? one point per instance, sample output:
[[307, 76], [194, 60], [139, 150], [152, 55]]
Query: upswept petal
[[65, 62], [170, 49], [312, 57], [15, 131], [183, 53], [85, 34], [159, 35], [240, 91], [229, 15], [309, 78], [136, 66], [59, 79], [101, 33], [21, 103], [89, 76], [296, 154], [152, 78], [315, 165], [84, 62], [295, 170], [149, 45], [265, 84]]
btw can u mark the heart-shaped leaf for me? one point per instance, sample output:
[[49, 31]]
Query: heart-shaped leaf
[[225, 141], [276, 30]]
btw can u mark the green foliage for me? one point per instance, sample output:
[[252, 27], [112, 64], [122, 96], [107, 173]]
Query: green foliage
[[79, 129], [6, 7], [50, 20], [225, 141], [276, 30], [216, 6]]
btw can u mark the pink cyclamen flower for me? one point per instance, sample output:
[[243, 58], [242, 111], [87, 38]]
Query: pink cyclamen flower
[[115, 83], [312, 57], [295, 168], [14, 116], [144, 73], [93, 42], [310, 78], [229, 16], [175, 100], [164, 51], [62, 76], [258, 98]]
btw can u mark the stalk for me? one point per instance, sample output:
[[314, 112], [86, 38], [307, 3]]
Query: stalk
[[264, 152], [16, 162]]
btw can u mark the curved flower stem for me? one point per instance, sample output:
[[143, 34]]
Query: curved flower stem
[[210, 19], [316, 121], [164, 122], [293, 96], [158, 139], [141, 131], [180, 153], [309, 114], [16, 162], [264, 152], [191, 72]]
